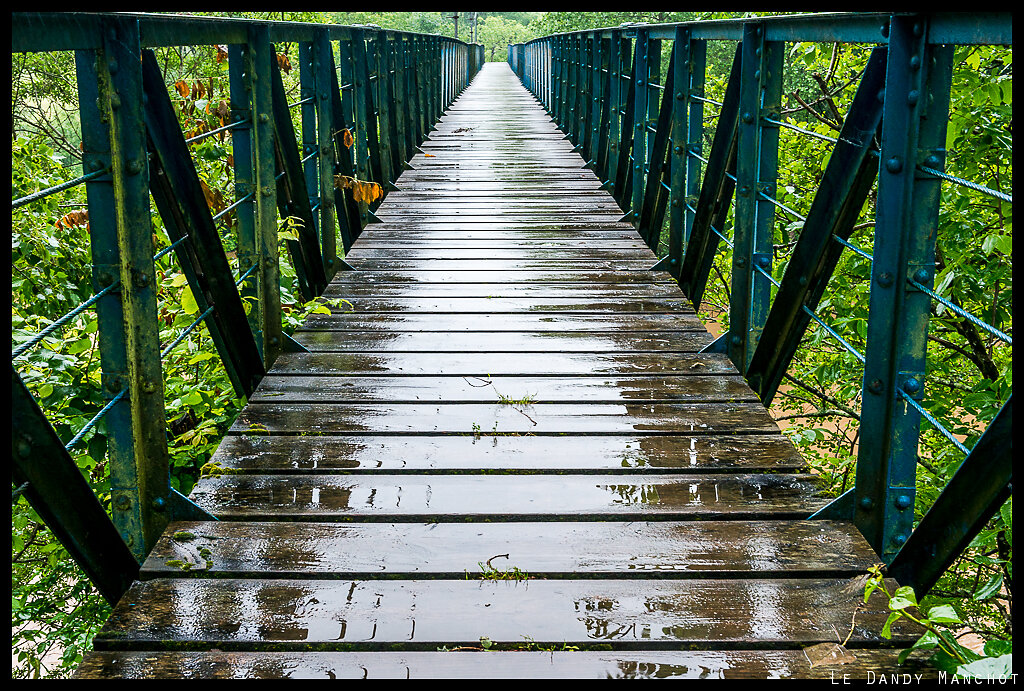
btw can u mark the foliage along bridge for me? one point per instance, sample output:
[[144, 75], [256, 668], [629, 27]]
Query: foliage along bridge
[[511, 433]]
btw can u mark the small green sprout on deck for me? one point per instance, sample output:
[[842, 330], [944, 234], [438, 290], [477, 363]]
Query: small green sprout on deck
[[531, 644], [526, 399], [490, 573], [215, 469]]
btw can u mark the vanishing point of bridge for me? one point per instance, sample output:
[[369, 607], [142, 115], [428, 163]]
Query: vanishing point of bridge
[[511, 449]]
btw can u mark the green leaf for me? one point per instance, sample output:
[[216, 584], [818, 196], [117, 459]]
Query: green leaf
[[991, 588], [44, 391], [995, 648], [79, 346], [188, 302], [944, 614], [903, 597], [201, 357], [926, 642], [988, 668], [179, 280], [870, 587], [194, 398], [887, 629]]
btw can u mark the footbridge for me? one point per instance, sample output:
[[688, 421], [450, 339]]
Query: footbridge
[[505, 444]]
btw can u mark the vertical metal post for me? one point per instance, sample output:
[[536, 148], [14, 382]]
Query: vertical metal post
[[624, 172], [914, 117], [307, 114], [374, 169], [695, 135], [615, 99], [323, 83], [593, 96], [586, 72], [268, 284], [603, 107], [769, 107], [403, 96], [756, 164], [678, 159], [653, 98], [382, 104], [572, 91], [641, 84], [114, 134], [240, 76]]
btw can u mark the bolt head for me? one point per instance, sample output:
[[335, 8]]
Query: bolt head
[[903, 502], [912, 385], [885, 279], [159, 503], [876, 386], [894, 165], [922, 275], [866, 503]]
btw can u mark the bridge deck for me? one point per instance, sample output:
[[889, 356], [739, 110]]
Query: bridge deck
[[513, 386]]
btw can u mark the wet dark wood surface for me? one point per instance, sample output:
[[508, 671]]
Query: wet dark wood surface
[[526, 664], [504, 389]]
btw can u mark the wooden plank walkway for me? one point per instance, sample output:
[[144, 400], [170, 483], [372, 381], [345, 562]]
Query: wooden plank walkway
[[513, 386]]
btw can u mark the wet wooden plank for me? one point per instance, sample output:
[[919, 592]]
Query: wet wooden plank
[[868, 665], [570, 291], [500, 364], [469, 224], [400, 274], [686, 454], [382, 233], [642, 266], [492, 244], [643, 549], [538, 418], [299, 389], [500, 305], [521, 253], [502, 497], [538, 322], [503, 341], [298, 614]]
